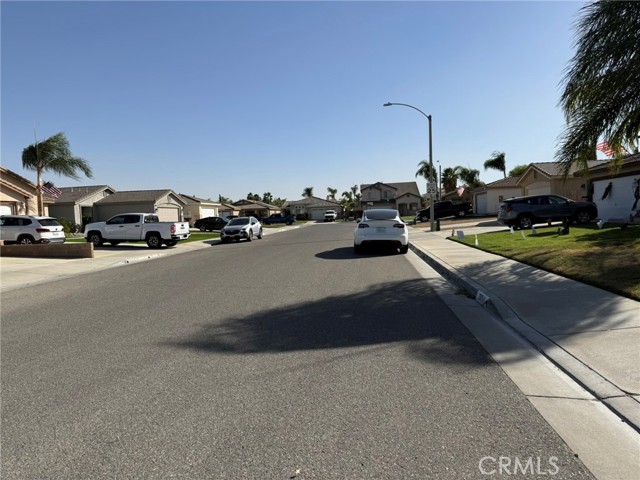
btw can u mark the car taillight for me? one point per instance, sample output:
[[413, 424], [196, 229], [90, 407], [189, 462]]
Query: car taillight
[[399, 225], [508, 208], [42, 230], [173, 229], [363, 225]]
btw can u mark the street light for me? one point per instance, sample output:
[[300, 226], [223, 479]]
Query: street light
[[431, 209]]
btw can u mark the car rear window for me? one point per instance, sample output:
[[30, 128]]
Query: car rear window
[[381, 214], [49, 222]]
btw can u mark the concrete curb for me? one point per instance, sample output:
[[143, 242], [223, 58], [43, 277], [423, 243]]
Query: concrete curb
[[618, 401]]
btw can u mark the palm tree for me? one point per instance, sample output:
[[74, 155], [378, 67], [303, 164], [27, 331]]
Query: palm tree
[[601, 97], [426, 171], [497, 161], [449, 179], [332, 193], [53, 155], [308, 192], [267, 198], [469, 176]]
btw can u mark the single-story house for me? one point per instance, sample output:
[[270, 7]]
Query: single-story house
[[312, 208], [255, 208], [197, 208], [167, 204], [547, 178], [18, 195], [76, 203], [487, 199], [403, 196], [617, 193]]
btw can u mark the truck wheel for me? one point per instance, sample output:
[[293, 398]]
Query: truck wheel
[[203, 228], [154, 241], [461, 213], [424, 218], [95, 238]]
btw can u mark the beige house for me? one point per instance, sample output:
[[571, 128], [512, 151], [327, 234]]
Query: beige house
[[255, 208], [76, 203], [167, 204], [487, 199], [197, 208], [548, 178], [403, 196], [312, 208], [18, 195]]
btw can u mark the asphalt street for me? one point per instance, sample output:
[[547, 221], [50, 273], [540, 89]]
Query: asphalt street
[[287, 357]]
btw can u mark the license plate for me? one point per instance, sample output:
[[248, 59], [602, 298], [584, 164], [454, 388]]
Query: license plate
[[381, 229]]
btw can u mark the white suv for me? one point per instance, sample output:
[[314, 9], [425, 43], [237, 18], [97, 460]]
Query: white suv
[[330, 216], [27, 229]]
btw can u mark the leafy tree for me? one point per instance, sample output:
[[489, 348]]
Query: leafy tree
[[308, 192], [53, 155], [518, 170], [350, 200], [278, 202], [267, 198], [449, 179], [426, 171], [497, 161], [601, 97], [332, 193], [253, 196], [222, 199], [469, 176]]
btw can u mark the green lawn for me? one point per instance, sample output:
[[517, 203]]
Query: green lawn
[[608, 258]]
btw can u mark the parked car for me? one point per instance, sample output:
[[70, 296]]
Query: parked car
[[210, 223], [330, 216], [28, 229], [524, 212], [379, 227], [133, 227], [278, 218], [241, 228], [443, 209]]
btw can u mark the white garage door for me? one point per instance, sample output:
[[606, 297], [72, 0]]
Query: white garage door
[[538, 188], [168, 214], [481, 204], [208, 212], [5, 210]]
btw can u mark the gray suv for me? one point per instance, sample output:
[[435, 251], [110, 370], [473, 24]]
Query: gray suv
[[27, 229], [524, 212]]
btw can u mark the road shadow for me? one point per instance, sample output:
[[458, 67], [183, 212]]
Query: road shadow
[[347, 253], [390, 313]]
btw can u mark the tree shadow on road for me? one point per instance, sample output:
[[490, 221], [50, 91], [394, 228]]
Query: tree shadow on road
[[406, 311]]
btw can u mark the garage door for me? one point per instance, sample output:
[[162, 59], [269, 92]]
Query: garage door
[[481, 203], [208, 212], [538, 188], [5, 210], [168, 214]]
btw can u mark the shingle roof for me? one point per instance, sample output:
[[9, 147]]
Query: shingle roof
[[401, 188], [554, 169], [77, 194], [311, 202], [195, 199], [138, 196], [630, 159]]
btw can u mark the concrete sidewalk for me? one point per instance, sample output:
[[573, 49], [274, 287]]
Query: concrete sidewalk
[[590, 334]]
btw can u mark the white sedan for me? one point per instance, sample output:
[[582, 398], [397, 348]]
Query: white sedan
[[381, 226], [241, 228]]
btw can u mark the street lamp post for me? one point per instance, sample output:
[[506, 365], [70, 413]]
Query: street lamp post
[[431, 209]]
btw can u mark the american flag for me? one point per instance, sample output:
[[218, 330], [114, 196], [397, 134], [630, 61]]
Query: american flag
[[605, 148], [50, 189]]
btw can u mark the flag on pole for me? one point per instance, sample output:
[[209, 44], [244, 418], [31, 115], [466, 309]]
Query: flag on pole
[[460, 191], [605, 148], [50, 189]]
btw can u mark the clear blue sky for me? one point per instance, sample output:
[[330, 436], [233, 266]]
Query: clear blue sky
[[210, 98]]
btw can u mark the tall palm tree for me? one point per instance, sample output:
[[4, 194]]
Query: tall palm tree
[[307, 192], [332, 192], [53, 155], [426, 171], [498, 161], [449, 179], [601, 97]]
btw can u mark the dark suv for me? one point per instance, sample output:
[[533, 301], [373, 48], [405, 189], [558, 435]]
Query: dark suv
[[524, 212], [210, 223]]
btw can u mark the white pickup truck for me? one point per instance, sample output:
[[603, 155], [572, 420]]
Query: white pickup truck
[[330, 216], [133, 227]]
